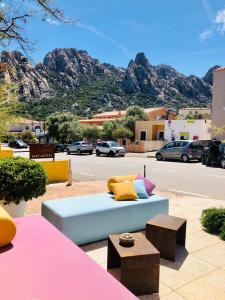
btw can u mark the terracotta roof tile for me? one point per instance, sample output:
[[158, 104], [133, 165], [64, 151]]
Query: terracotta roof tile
[[220, 69]]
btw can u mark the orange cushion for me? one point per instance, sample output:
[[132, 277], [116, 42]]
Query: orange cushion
[[124, 191]]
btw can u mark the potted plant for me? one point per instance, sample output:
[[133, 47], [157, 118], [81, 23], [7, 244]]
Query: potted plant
[[21, 180]]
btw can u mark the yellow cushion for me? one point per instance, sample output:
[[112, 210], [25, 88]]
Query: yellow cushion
[[116, 179], [7, 228], [124, 191]]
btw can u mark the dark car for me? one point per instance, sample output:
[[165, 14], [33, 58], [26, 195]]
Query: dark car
[[59, 148], [214, 154], [17, 143]]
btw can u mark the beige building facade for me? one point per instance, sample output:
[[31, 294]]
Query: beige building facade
[[21, 125], [205, 112], [218, 104]]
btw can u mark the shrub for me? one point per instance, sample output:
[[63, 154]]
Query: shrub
[[21, 179], [222, 232], [213, 219]]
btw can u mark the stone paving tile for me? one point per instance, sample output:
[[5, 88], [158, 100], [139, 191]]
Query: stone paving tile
[[163, 291], [193, 227], [175, 278], [192, 265], [214, 255], [216, 279], [173, 296], [200, 240], [201, 290], [99, 255]]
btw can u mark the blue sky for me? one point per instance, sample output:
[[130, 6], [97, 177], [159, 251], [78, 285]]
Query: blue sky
[[186, 34]]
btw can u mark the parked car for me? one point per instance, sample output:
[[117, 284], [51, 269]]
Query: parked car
[[60, 147], [80, 148], [219, 158], [184, 150], [17, 143], [110, 148]]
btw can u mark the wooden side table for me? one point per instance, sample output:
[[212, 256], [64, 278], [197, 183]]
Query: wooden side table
[[165, 232], [138, 265]]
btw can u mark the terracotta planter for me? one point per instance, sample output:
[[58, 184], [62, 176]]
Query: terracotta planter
[[15, 210]]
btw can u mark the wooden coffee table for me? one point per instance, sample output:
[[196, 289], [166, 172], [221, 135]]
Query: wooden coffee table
[[138, 265], [165, 232]]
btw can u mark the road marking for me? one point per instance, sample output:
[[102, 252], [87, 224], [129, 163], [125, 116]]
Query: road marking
[[188, 193], [212, 175], [163, 170], [87, 174]]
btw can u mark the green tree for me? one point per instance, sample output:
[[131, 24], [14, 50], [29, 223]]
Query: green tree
[[109, 128], [133, 114], [28, 136], [189, 117], [137, 112], [122, 133], [90, 132], [61, 124], [15, 14], [69, 131]]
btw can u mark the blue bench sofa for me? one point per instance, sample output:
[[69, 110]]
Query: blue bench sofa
[[86, 219]]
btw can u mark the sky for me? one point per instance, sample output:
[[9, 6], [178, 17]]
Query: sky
[[189, 35]]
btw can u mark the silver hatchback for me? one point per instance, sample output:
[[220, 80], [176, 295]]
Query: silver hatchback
[[80, 148], [181, 150]]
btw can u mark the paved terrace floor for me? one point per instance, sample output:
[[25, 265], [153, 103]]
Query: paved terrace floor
[[199, 270]]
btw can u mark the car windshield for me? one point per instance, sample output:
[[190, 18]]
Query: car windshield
[[113, 144]]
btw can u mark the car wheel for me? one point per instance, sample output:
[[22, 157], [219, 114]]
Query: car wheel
[[159, 156], [185, 158], [98, 153], [68, 151], [91, 152], [223, 163], [78, 152], [111, 153]]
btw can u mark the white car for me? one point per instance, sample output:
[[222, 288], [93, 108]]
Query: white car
[[110, 148]]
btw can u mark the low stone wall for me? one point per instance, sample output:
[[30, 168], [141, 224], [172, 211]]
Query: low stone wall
[[153, 145], [136, 148]]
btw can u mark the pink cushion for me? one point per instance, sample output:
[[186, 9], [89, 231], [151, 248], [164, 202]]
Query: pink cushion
[[43, 264], [149, 186]]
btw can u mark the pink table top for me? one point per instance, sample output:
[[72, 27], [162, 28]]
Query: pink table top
[[42, 264]]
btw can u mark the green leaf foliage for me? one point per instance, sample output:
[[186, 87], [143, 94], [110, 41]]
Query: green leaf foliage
[[222, 232], [212, 219], [21, 179]]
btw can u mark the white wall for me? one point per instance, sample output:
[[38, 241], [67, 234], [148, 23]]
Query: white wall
[[198, 128]]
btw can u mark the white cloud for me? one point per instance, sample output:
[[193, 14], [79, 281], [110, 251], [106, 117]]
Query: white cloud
[[205, 35], [220, 21], [102, 35], [208, 9], [52, 22], [2, 5]]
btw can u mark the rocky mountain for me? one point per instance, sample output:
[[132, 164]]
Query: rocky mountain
[[70, 79]]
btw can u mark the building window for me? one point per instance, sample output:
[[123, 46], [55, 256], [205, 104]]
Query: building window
[[143, 135], [161, 135], [27, 127]]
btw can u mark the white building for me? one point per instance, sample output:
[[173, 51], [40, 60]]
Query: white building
[[187, 130]]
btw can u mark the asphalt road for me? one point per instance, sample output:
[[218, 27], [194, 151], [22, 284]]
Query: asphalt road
[[192, 178]]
